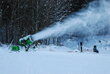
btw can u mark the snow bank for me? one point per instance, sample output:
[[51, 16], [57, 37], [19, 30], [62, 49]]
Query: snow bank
[[44, 62], [56, 60]]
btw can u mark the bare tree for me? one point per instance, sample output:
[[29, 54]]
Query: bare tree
[[19, 18]]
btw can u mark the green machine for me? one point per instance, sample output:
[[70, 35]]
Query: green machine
[[15, 48], [26, 42]]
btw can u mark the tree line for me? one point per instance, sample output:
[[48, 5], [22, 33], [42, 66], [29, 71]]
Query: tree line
[[19, 18]]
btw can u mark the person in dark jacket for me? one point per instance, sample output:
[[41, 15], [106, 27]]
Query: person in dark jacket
[[81, 44], [95, 49]]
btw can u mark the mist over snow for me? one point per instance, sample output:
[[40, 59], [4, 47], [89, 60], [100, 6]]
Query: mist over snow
[[93, 20]]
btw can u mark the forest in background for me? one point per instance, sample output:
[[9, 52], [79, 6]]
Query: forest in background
[[19, 18]]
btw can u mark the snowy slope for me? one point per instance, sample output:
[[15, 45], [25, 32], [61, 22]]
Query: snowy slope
[[58, 59], [46, 62]]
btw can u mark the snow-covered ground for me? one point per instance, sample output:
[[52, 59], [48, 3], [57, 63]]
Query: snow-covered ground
[[48, 60], [53, 59]]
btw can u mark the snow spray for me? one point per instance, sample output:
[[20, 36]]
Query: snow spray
[[88, 21]]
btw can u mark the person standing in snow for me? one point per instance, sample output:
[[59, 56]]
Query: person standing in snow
[[95, 49], [81, 44]]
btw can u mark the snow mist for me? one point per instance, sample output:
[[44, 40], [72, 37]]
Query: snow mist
[[93, 20]]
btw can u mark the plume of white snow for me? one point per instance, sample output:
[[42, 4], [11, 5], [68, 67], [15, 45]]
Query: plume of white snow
[[89, 21]]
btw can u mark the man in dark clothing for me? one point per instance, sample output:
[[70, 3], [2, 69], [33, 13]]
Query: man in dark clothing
[[81, 44], [95, 49]]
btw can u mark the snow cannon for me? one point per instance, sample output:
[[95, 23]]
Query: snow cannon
[[26, 42]]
